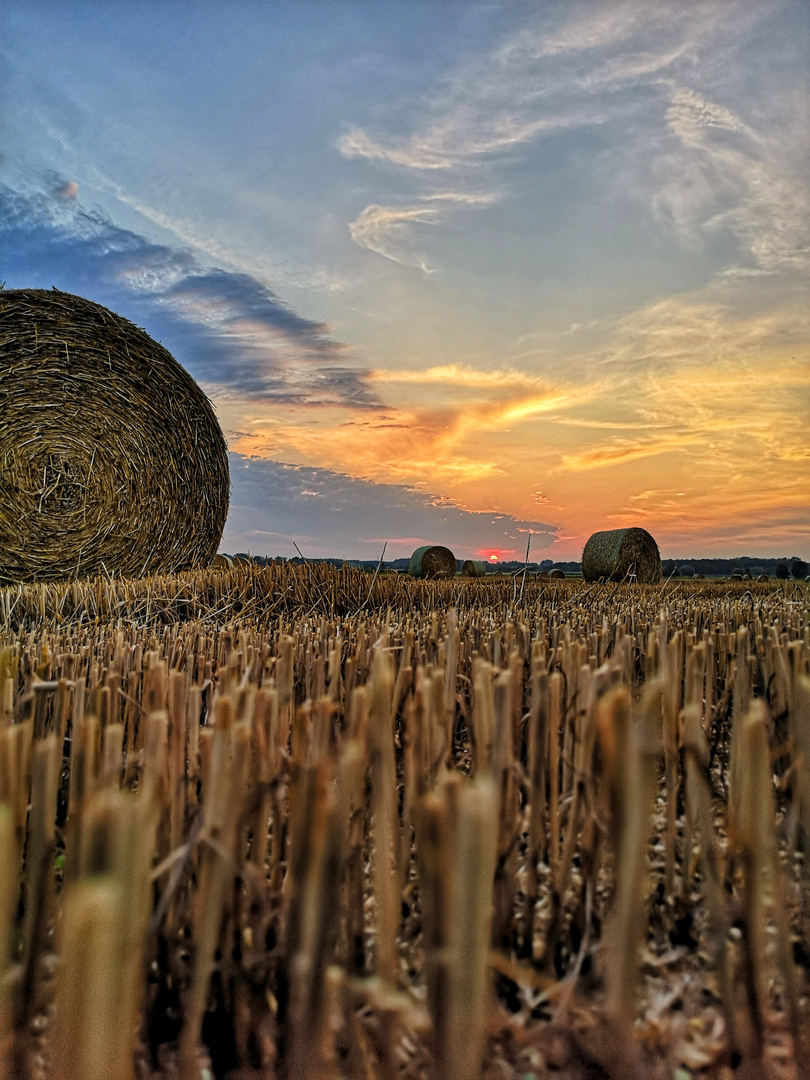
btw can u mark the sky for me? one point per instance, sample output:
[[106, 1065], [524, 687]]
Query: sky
[[475, 273]]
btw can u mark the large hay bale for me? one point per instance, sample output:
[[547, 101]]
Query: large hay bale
[[111, 456], [432, 561], [618, 554], [473, 568]]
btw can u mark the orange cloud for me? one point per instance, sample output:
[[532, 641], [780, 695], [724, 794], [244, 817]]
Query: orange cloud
[[447, 441], [689, 418], [459, 375], [623, 451]]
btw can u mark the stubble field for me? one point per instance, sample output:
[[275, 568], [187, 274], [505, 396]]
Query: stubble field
[[296, 821]]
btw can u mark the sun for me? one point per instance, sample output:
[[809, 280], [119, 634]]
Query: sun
[[493, 558]]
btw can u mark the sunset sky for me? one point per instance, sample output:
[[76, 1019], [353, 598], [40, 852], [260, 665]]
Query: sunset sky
[[451, 272]]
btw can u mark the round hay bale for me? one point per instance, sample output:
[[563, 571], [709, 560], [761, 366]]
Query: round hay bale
[[699, 577], [557, 574], [735, 577], [618, 554], [432, 561], [473, 568], [222, 562], [111, 456], [763, 577]]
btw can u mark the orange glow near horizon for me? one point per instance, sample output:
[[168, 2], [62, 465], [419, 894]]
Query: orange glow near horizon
[[691, 425], [493, 555]]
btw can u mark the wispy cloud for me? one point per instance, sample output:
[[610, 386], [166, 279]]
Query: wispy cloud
[[723, 175], [689, 114], [458, 375], [199, 237], [386, 230], [459, 140], [610, 67], [609, 25], [382, 229], [540, 81]]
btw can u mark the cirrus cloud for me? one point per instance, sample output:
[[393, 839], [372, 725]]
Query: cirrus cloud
[[386, 230]]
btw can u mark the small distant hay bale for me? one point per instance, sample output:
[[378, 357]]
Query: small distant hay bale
[[699, 577], [622, 554], [222, 562], [432, 561], [111, 456], [473, 568], [541, 575], [735, 577], [557, 574], [763, 578]]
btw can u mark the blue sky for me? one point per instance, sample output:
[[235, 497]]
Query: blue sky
[[486, 268]]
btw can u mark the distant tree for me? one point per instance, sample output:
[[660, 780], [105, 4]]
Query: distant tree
[[668, 567], [782, 571], [546, 564], [739, 570], [799, 569], [687, 570]]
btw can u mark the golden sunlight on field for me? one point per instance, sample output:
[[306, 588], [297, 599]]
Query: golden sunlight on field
[[279, 822]]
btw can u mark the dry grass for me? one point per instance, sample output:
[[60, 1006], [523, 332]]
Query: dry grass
[[273, 823], [112, 458]]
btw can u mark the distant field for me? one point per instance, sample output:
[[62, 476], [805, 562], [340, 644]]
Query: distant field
[[303, 821]]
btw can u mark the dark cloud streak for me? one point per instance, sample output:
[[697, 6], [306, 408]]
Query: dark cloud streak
[[228, 329]]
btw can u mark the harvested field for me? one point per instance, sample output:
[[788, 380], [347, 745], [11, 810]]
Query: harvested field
[[285, 822]]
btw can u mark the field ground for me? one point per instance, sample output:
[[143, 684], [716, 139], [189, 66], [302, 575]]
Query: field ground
[[298, 821]]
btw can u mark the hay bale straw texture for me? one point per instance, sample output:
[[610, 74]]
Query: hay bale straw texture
[[473, 568], [618, 554], [432, 561], [111, 456]]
